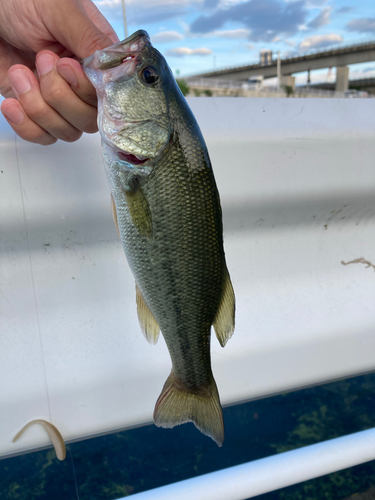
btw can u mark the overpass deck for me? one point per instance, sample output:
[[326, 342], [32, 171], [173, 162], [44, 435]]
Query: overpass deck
[[342, 56]]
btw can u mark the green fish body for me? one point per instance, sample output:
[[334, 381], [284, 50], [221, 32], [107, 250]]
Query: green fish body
[[167, 209]]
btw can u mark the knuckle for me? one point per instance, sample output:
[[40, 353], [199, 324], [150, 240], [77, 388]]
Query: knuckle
[[90, 98], [38, 112], [91, 39], [54, 94]]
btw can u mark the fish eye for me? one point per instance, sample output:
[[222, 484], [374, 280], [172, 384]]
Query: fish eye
[[149, 75]]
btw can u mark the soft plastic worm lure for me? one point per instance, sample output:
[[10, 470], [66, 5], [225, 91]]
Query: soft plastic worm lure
[[53, 433]]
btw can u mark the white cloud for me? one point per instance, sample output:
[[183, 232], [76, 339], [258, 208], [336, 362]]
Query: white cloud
[[107, 3], [166, 36], [321, 19], [239, 33], [312, 4], [291, 43], [141, 12], [316, 41], [364, 25], [364, 73], [142, 3], [185, 51]]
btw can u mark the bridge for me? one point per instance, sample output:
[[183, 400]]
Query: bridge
[[367, 84], [339, 57]]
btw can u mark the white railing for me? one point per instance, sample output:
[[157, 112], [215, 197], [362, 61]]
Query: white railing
[[296, 181], [272, 473]]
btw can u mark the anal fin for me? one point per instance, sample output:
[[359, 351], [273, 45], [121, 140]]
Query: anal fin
[[147, 321], [224, 319]]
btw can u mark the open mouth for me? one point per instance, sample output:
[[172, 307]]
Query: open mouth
[[133, 159]]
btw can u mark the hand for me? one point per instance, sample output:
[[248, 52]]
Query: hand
[[48, 94]]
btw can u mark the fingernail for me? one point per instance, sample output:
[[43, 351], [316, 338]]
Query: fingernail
[[44, 64], [68, 74], [13, 114], [20, 81]]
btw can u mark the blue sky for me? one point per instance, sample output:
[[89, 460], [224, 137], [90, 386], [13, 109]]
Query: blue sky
[[199, 35]]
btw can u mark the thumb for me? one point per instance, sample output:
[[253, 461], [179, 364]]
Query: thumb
[[68, 22]]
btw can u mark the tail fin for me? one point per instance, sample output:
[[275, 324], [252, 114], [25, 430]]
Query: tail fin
[[178, 404]]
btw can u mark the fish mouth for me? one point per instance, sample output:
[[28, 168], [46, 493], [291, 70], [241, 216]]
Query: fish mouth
[[120, 60], [131, 158], [119, 53]]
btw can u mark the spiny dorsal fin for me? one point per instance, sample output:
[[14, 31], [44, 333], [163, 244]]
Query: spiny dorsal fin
[[224, 319], [177, 405], [114, 215], [147, 322]]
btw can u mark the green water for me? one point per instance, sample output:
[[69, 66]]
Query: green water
[[113, 466]]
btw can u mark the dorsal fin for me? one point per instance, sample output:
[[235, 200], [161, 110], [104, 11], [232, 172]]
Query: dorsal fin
[[147, 321], [224, 319]]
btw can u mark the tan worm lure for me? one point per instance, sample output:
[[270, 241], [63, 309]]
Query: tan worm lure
[[53, 433]]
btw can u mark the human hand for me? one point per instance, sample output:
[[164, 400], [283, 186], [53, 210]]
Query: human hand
[[52, 98]]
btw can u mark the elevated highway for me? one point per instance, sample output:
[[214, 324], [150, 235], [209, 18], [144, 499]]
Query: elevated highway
[[367, 84], [336, 57]]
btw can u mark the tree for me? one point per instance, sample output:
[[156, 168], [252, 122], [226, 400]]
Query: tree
[[184, 87]]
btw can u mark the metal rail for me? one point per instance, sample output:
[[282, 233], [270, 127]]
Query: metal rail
[[268, 474]]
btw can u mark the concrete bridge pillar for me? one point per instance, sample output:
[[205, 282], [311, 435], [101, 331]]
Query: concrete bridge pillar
[[289, 81], [342, 78]]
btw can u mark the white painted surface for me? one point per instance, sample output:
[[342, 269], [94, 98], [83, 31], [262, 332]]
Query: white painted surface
[[297, 184], [268, 474]]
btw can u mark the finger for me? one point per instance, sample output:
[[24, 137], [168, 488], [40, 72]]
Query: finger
[[99, 20], [58, 94], [27, 90], [22, 125], [72, 72], [71, 26]]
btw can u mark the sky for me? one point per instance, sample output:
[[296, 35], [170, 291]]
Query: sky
[[201, 35]]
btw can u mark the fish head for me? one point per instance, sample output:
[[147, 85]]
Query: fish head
[[132, 81]]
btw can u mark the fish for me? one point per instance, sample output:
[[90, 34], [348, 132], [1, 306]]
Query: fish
[[167, 210]]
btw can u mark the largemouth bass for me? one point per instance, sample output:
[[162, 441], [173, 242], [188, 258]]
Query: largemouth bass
[[167, 210]]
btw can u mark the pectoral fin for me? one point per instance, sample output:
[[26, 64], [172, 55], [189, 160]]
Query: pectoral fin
[[224, 319], [114, 215], [147, 321], [139, 210]]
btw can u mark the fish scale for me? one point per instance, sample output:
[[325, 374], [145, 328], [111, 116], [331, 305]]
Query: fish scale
[[168, 214], [188, 274]]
